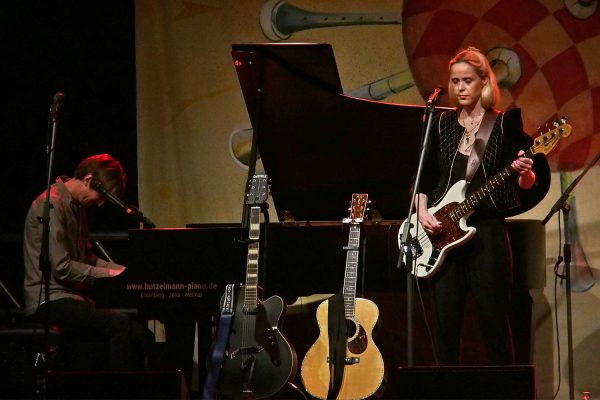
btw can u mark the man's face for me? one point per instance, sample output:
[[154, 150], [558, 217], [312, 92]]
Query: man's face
[[90, 197]]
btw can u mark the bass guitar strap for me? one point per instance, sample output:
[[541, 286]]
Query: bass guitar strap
[[483, 134], [218, 352]]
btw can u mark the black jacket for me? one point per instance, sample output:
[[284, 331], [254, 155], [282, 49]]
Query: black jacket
[[506, 139]]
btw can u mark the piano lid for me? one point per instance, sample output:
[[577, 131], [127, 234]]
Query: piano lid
[[319, 146]]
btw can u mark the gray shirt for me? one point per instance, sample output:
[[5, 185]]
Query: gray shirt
[[73, 266]]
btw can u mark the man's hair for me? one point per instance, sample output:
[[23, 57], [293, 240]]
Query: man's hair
[[105, 168], [490, 93]]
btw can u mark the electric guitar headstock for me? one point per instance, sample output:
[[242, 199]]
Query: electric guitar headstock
[[358, 207], [546, 141], [259, 190]]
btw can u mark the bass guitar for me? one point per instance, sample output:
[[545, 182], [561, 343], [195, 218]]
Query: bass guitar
[[259, 361], [428, 252], [363, 367]]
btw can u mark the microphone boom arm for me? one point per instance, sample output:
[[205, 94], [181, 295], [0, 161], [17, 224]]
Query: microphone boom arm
[[132, 211]]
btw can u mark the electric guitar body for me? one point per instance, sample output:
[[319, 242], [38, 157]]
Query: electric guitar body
[[259, 359]]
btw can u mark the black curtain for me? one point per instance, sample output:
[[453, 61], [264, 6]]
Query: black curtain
[[86, 50]]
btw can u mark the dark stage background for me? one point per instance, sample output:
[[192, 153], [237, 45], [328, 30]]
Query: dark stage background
[[86, 50]]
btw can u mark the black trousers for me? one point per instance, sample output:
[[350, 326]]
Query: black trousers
[[88, 331], [483, 266]]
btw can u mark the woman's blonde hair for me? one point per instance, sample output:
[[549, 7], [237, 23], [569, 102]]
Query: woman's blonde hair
[[490, 93]]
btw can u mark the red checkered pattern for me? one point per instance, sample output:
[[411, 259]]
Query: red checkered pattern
[[560, 72]]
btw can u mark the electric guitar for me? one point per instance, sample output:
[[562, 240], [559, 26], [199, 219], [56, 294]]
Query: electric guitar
[[428, 252], [259, 360], [363, 364]]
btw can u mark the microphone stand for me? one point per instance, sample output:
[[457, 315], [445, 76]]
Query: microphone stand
[[407, 248], [562, 205], [44, 259]]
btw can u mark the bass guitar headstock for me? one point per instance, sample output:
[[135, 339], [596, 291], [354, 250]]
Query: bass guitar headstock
[[546, 141]]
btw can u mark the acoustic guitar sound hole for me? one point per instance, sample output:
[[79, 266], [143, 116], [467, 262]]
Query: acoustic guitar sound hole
[[351, 328]]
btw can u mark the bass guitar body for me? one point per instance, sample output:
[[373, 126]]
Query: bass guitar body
[[364, 369], [431, 251], [259, 360]]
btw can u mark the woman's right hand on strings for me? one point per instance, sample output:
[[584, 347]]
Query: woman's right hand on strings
[[431, 225]]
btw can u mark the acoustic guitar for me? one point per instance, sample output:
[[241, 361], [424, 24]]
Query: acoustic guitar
[[363, 367]]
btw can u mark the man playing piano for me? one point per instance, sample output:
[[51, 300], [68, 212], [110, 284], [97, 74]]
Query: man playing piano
[[74, 267]]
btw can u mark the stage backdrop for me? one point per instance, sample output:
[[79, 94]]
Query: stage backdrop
[[192, 120]]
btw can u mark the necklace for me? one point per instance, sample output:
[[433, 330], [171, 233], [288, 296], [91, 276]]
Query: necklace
[[471, 126], [470, 130]]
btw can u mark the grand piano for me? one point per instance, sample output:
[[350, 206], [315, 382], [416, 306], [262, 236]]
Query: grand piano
[[318, 146]]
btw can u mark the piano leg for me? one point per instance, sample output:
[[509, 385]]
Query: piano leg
[[180, 335], [179, 347]]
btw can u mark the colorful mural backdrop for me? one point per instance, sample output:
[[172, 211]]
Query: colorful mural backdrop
[[544, 53]]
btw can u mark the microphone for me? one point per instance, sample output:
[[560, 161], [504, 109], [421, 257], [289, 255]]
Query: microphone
[[129, 210], [437, 92], [57, 102]]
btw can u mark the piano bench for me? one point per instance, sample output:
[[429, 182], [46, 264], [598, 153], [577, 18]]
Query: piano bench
[[29, 339], [32, 332], [22, 345], [24, 341]]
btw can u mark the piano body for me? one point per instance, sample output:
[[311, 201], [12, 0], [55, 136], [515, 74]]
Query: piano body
[[318, 147]]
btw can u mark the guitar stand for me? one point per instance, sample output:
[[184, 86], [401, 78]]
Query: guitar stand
[[247, 393], [297, 389]]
